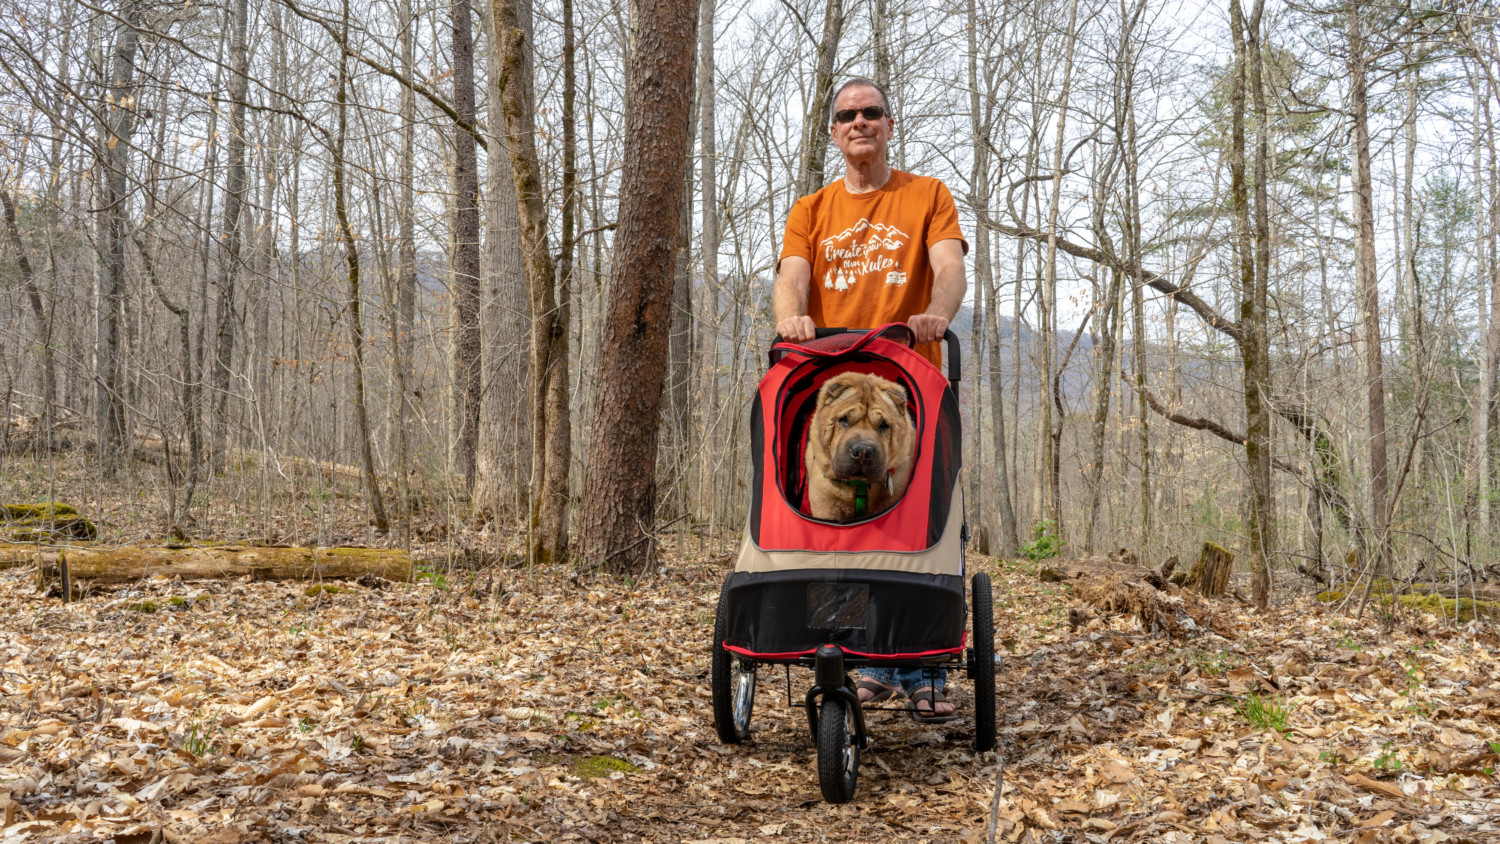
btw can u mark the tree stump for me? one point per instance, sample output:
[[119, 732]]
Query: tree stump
[[1209, 576], [1118, 585]]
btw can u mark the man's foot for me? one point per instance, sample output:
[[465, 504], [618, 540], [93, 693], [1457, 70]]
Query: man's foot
[[874, 691], [928, 706]]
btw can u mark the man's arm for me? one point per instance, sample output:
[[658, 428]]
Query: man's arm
[[789, 300], [948, 287]]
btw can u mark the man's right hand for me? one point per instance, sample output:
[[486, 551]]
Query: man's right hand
[[797, 329]]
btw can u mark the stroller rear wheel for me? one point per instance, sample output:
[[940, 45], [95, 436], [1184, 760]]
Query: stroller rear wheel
[[838, 750], [733, 682], [982, 666]]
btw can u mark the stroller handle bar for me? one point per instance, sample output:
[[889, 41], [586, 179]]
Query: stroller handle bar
[[952, 357]]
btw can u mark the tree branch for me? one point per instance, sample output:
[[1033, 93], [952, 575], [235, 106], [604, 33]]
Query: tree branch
[[1157, 282], [431, 96]]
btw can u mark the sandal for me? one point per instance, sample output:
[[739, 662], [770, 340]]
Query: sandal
[[932, 697], [878, 691]]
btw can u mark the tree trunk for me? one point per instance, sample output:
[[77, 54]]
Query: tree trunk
[[1002, 522], [880, 22], [556, 494], [114, 159], [620, 491], [678, 430], [505, 426], [549, 331], [815, 123], [38, 313], [1368, 291], [234, 204], [1251, 241], [404, 348], [356, 321], [190, 384], [708, 291], [1132, 219], [468, 364], [1051, 428]]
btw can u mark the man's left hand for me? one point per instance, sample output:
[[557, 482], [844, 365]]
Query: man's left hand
[[929, 328]]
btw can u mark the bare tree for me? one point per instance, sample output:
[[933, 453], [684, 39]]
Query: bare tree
[[350, 246], [1368, 288], [232, 237], [620, 499], [468, 348], [815, 123], [113, 152], [549, 334]]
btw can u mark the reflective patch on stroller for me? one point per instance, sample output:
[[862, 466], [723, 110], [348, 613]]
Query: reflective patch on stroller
[[838, 606]]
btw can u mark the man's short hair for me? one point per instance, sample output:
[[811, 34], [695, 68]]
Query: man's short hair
[[859, 82]]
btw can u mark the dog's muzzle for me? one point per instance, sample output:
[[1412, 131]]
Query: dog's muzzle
[[860, 459]]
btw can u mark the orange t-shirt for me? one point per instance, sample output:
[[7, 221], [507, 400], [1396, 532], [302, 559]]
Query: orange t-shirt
[[869, 251]]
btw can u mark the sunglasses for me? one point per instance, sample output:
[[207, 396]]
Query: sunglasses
[[847, 115]]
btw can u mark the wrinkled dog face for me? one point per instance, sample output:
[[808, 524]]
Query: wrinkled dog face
[[860, 432], [859, 417]]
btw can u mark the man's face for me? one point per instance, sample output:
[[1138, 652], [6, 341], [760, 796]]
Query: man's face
[[861, 139]]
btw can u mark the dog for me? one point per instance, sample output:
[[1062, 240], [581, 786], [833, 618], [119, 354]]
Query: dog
[[860, 448]]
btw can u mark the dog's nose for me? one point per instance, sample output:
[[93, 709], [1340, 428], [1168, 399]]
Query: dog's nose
[[861, 452]]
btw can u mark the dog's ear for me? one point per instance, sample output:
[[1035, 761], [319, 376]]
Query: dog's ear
[[832, 390], [897, 394]]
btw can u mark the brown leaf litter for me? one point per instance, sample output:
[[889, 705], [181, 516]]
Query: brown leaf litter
[[505, 708]]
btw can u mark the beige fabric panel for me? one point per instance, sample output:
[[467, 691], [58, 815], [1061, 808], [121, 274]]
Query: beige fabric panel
[[944, 558]]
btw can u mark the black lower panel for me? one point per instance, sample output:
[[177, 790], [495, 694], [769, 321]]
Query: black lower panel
[[871, 612]]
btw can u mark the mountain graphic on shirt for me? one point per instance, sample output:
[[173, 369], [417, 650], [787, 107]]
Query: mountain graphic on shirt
[[853, 254], [887, 237]]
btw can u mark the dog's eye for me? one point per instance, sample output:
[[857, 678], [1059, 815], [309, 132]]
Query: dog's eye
[[885, 426], [843, 421]]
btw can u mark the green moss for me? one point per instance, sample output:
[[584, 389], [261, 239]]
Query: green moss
[[601, 766], [20, 512], [177, 601], [356, 553], [144, 606], [1464, 609], [45, 521], [320, 588], [1332, 596]]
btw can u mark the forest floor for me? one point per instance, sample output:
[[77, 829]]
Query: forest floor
[[499, 704]]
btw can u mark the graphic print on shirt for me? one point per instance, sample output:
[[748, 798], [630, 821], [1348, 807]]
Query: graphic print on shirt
[[858, 253]]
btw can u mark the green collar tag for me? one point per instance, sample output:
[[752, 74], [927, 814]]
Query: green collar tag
[[861, 494]]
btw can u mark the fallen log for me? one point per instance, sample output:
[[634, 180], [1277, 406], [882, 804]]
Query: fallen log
[[101, 566], [1123, 588]]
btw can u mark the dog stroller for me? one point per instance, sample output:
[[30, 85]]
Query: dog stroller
[[884, 590]]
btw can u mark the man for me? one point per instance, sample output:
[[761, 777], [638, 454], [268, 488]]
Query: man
[[877, 246]]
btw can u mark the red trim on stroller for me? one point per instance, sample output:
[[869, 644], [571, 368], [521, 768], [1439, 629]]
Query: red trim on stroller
[[746, 652]]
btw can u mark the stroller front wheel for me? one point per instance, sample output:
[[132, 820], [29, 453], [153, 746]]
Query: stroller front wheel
[[838, 750]]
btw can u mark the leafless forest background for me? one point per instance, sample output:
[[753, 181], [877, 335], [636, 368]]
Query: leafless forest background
[[1233, 273]]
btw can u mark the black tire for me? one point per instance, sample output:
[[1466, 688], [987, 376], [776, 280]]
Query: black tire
[[983, 669], [733, 682], [838, 752]]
